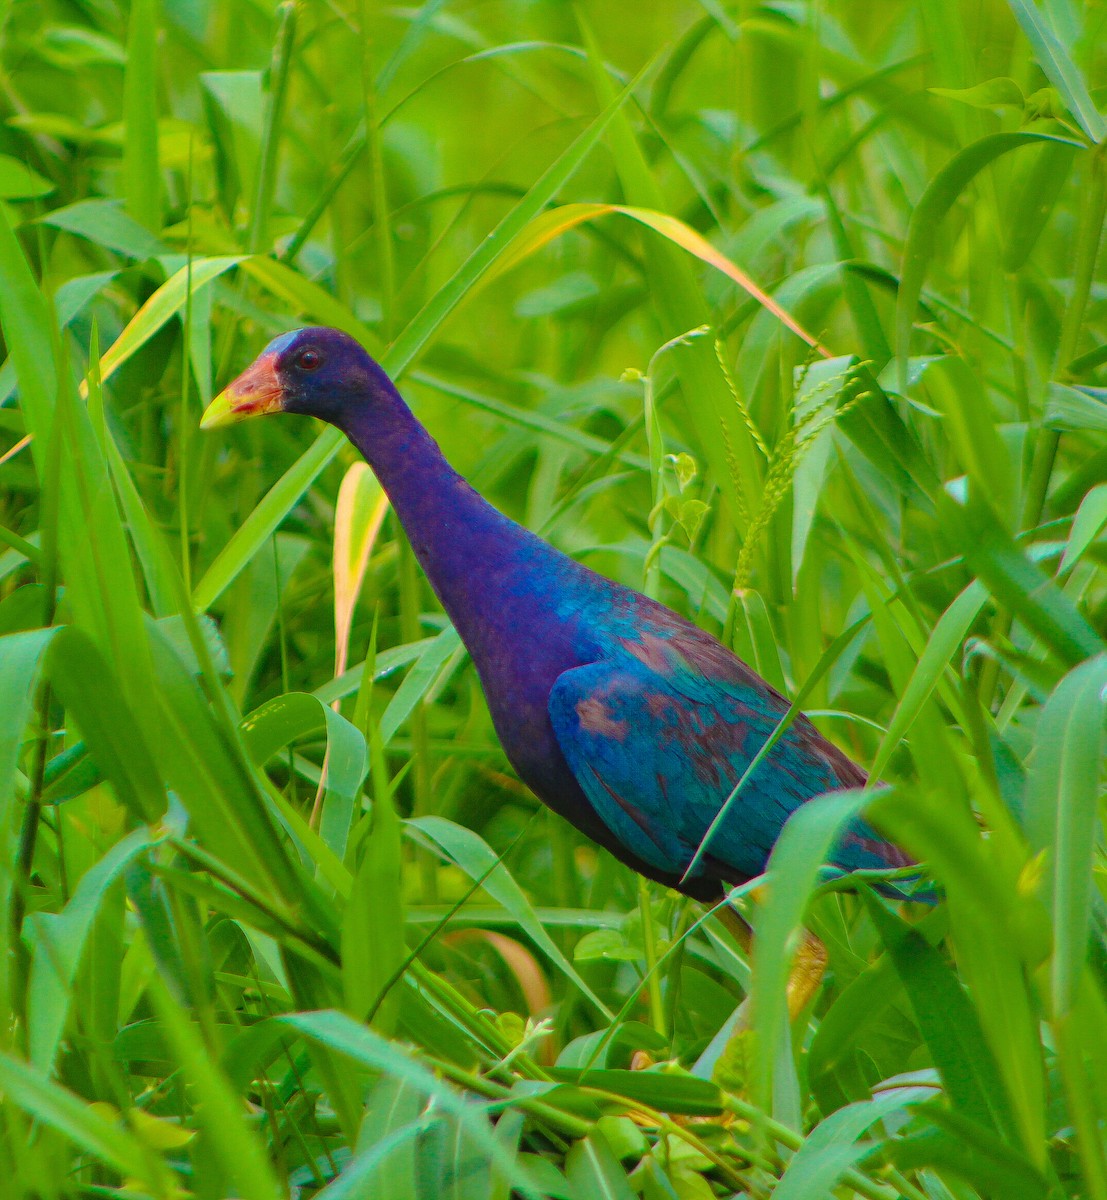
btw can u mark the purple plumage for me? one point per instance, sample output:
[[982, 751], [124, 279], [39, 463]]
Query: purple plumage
[[623, 717]]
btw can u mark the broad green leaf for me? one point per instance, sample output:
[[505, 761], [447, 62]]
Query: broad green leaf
[[832, 1147], [387, 661], [890, 444], [373, 945], [845, 1033], [20, 656], [1001, 935], [966, 1151], [149, 544], [671, 1092], [754, 639], [956, 391], [19, 182], [594, 1170], [1039, 184], [1076, 408], [227, 806], [948, 1022], [106, 223], [811, 470], [299, 714], [235, 101], [993, 93], [394, 1111], [368, 1164]]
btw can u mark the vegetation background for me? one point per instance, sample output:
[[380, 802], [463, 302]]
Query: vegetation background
[[788, 313]]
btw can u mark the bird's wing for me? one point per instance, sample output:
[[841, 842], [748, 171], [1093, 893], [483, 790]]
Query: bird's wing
[[657, 743]]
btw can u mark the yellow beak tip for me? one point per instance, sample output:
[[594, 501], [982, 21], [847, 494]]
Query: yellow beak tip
[[219, 412], [255, 392]]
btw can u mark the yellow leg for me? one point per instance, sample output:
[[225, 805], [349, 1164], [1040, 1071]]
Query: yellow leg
[[737, 926], [807, 969], [806, 973]]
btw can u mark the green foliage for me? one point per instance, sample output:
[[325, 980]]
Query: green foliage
[[791, 315]]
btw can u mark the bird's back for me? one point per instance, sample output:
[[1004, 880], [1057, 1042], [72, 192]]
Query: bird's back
[[637, 725]]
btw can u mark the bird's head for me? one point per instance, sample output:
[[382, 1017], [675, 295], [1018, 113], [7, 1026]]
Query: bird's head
[[316, 371]]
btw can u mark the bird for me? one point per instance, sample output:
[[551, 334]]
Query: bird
[[629, 721]]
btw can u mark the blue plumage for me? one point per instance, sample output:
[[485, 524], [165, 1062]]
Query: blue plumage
[[659, 731], [619, 714]]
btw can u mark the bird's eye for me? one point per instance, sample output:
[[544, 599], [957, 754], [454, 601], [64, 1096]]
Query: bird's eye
[[308, 360]]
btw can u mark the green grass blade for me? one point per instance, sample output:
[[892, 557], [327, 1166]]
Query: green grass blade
[[943, 643], [70, 1115], [61, 942], [922, 234], [804, 845], [161, 307], [1016, 582], [90, 689], [219, 1113], [949, 1023], [1062, 796], [338, 1032], [832, 1148], [422, 675], [1059, 68], [142, 180], [28, 333], [475, 858]]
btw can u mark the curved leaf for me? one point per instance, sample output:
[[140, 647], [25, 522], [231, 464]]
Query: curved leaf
[[61, 941], [832, 1147], [299, 714], [1059, 68], [72, 1116], [477, 859], [946, 637], [940, 196]]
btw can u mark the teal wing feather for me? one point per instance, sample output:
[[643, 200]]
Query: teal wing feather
[[659, 734]]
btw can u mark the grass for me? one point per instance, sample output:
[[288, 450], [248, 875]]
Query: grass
[[790, 314]]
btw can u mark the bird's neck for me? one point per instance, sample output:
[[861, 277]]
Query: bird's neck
[[483, 566]]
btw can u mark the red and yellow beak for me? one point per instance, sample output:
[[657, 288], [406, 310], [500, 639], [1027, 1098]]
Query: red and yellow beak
[[255, 392]]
